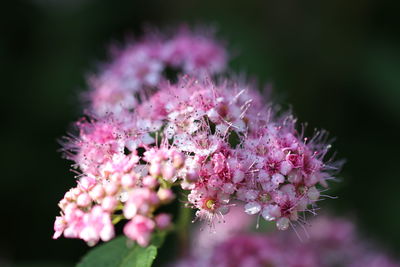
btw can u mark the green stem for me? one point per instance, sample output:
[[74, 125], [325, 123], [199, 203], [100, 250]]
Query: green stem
[[116, 218], [182, 228], [164, 183]]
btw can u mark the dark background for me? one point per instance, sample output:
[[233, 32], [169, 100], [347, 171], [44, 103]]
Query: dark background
[[336, 62]]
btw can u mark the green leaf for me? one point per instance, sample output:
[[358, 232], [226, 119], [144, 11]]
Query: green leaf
[[119, 253]]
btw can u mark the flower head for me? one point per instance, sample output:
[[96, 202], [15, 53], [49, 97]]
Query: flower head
[[331, 242], [140, 67], [215, 140]]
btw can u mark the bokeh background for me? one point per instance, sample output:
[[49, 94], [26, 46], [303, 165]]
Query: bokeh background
[[337, 63]]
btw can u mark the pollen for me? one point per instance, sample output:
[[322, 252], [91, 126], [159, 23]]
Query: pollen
[[210, 204]]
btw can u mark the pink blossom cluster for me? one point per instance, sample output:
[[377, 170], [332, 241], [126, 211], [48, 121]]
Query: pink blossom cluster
[[331, 242], [121, 189], [216, 140], [142, 65]]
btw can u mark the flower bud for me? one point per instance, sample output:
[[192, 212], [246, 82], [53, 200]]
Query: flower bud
[[178, 160], [111, 189], [168, 172], [83, 200], [282, 223], [109, 203], [252, 208], [163, 221], [238, 176], [165, 195], [150, 182], [313, 193], [97, 192], [128, 180], [155, 169]]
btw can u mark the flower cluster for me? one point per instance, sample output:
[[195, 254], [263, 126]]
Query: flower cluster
[[141, 66], [331, 242], [122, 189], [215, 140]]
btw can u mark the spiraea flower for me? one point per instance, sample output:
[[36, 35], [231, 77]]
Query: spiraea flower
[[216, 140], [141, 66], [122, 189], [330, 241]]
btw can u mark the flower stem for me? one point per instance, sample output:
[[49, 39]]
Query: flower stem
[[182, 229]]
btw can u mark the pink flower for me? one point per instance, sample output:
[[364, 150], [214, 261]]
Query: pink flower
[[140, 229], [218, 141], [332, 242], [195, 53], [96, 225], [59, 227], [140, 201], [163, 221], [139, 67]]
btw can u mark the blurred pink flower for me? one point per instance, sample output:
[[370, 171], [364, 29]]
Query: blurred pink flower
[[331, 242], [140, 229]]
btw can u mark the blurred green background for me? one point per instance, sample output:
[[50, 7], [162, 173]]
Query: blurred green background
[[336, 62]]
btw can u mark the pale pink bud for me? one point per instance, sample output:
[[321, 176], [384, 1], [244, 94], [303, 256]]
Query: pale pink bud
[[63, 203], [69, 196], [158, 157], [285, 167], [97, 192], [75, 192], [252, 208], [263, 176], [155, 169], [192, 176], [83, 200], [140, 229], [277, 178], [111, 188], [168, 172], [144, 208], [289, 189], [271, 212], [268, 186], [70, 210], [153, 198], [238, 176], [109, 203], [70, 232], [178, 160], [165, 195], [282, 223], [128, 180], [251, 194], [130, 210], [163, 220], [59, 226], [150, 182], [89, 235], [228, 188], [107, 233]]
